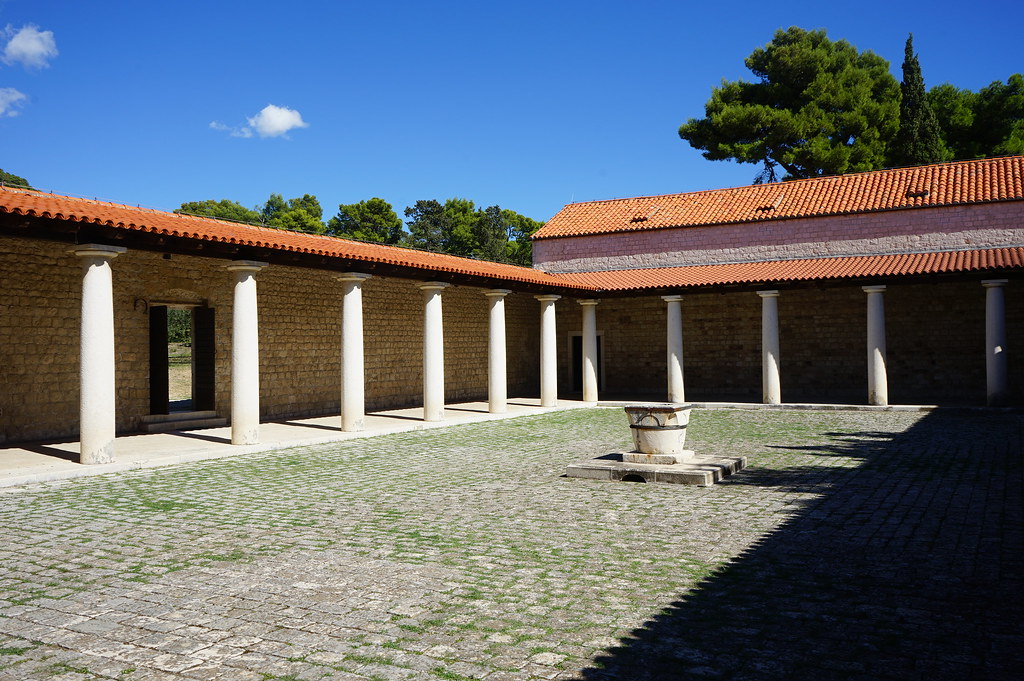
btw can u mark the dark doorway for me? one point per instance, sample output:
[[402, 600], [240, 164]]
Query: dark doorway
[[181, 359], [576, 362]]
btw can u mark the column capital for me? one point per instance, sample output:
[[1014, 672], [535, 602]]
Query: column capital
[[873, 289], [357, 277], [774, 293], [588, 302], [98, 251], [497, 292], [672, 299], [548, 298], [246, 266], [994, 283], [433, 286]]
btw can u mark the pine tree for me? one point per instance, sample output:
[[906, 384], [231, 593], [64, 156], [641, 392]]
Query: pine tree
[[918, 141]]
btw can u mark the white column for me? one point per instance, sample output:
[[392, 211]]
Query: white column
[[589, 349], [675, 348], [548, 351], [433, 351], [878, 382], [997, 381], [353, 408], [497, 379], [96, 401], [771, 389], [245, 355]]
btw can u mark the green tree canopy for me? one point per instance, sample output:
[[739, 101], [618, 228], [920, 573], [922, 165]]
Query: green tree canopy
[[521, 228], [818, 108], [426, 225], [223, 209], [919, 140], [981, 124], [12, 180], [372, 220], [459, 228], [302, 214]]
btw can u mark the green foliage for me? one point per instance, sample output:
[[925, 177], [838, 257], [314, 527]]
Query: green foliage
[[918, 141], [373, 220], [426, 226], [981, 124], [223, 209], [490, 232], [456, 226], [521, 228], [459, 228], [12, 180], [302, 214], [954, 110], [819, 108], [179, 326]]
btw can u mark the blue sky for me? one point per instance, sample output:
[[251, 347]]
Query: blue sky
[[530, 105]]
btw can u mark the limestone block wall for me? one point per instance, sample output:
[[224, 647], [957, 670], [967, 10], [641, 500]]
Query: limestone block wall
[[300, 337], [40, 299], [900, 231]]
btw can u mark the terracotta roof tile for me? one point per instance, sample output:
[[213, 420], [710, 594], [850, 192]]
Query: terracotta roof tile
[[988, 180], [780, 271], [40, 204]]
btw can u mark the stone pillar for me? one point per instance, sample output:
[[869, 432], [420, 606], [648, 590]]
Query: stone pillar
[[548, 351], [878, 382], [589, 349], [497, 378], [245, 355], [353, 408], [997, 381], [97, 397], [771, 387], [675, 348], [433, 351]]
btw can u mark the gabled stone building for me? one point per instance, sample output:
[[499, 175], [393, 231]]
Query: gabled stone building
[[895, 284]]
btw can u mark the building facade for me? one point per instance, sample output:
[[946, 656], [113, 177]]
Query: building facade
[[893, 286]]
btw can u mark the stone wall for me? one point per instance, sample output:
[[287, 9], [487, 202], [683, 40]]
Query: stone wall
[[899, 231], [300, 337], [935, 342]]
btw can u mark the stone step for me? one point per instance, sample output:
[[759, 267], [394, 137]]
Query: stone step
[[178, 416], [190, 422]]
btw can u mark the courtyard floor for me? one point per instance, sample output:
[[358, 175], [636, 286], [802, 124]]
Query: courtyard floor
[[856, 545]]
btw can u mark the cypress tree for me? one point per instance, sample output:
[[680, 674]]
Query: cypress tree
[[918, 141]]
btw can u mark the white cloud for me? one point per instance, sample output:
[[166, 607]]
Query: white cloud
[[271, 121], [10, 101], [29, 46], [274, 121]]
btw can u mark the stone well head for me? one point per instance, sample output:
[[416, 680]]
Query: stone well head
[[659, 428]]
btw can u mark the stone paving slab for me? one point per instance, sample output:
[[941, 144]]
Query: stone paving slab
[[854, 546]]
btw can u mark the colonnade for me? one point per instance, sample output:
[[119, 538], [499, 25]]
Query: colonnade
[[97, 425]]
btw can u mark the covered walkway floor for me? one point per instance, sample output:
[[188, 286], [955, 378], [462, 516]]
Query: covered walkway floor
[[27, 463]]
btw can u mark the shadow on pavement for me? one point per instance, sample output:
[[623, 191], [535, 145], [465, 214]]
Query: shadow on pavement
[[907, 566]]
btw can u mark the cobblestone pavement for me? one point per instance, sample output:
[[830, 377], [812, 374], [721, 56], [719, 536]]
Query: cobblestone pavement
[[855, 546]]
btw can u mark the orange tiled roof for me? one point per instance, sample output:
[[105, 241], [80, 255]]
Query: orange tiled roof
[[780, 271], [997, 179], [41, 204]]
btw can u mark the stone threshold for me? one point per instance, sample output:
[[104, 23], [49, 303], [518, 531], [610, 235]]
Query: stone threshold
[[699, 470]]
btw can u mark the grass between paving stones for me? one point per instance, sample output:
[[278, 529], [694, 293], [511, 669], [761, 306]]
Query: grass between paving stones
[[532, 563]]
